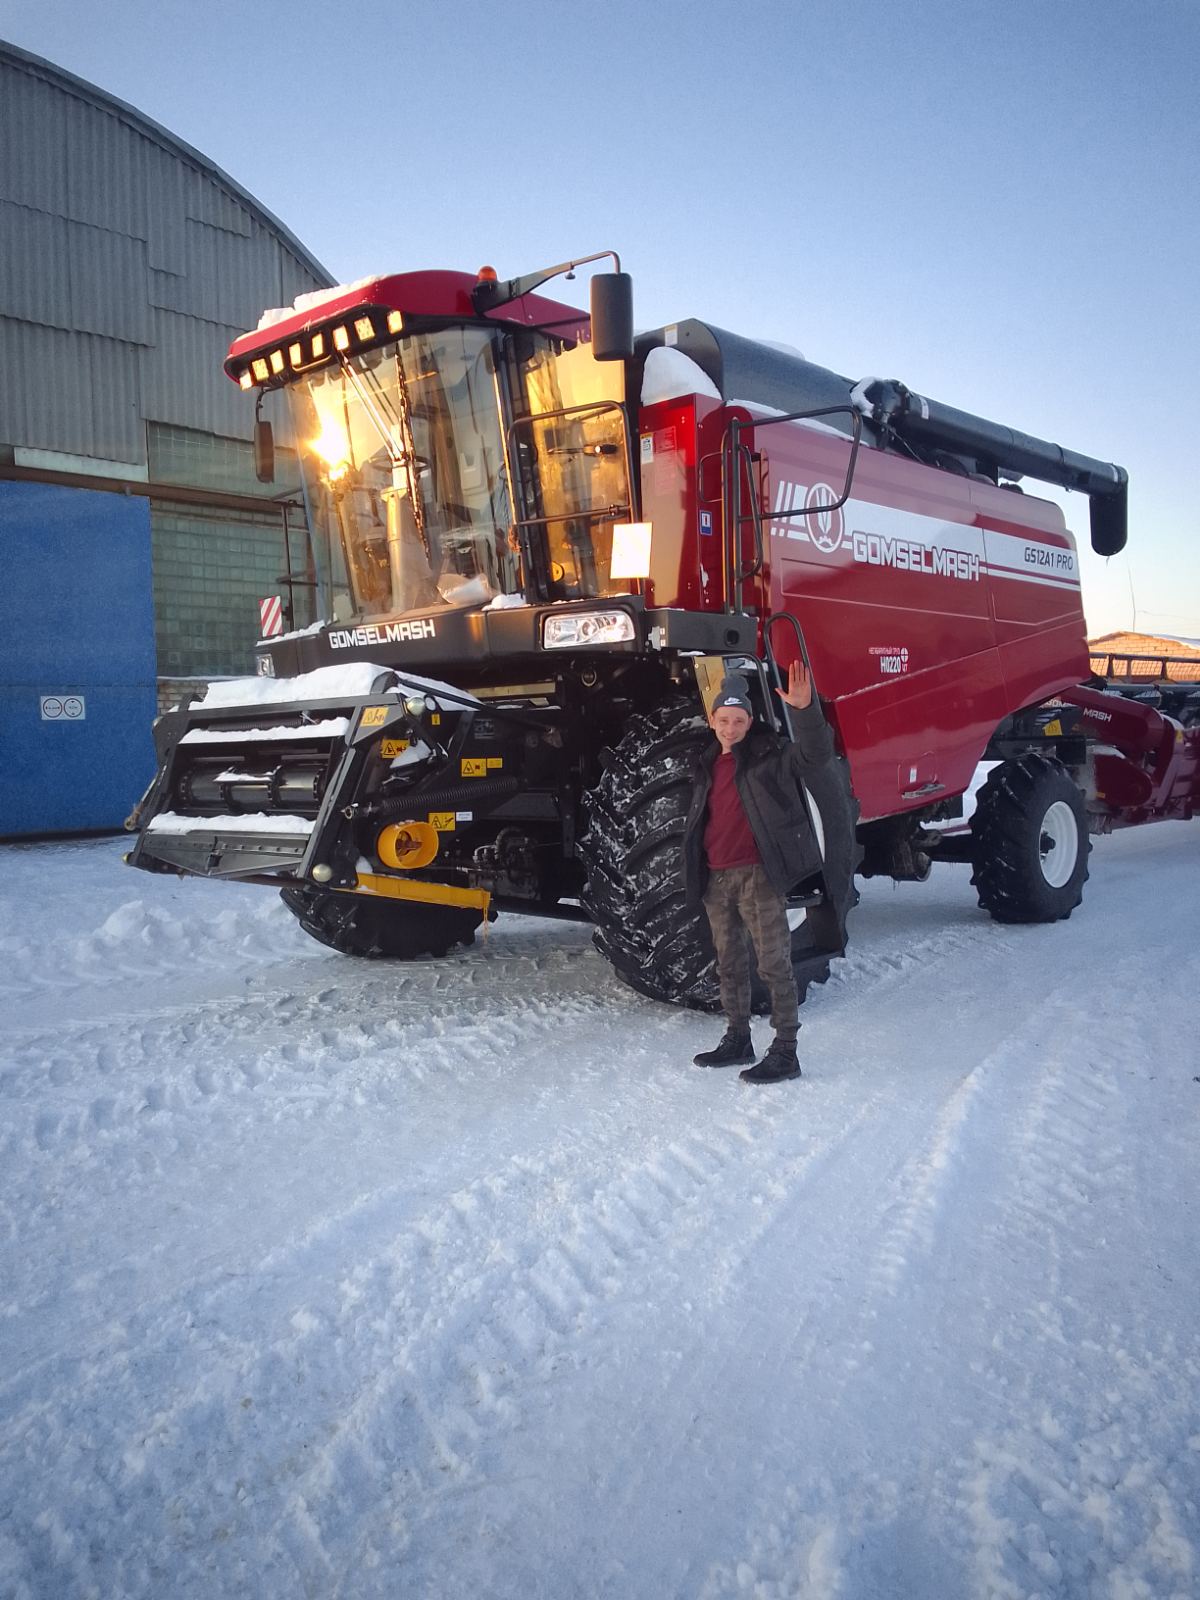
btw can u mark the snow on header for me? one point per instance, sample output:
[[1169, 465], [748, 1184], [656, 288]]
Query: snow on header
[[245, 822], [330, 728], [353, 681], [669, 375], [349, 682]]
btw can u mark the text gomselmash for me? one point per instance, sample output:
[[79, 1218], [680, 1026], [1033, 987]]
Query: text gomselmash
[[382, 633], [877, 550]]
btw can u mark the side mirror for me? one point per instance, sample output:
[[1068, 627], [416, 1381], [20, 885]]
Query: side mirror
[[612, 316], [264, 451]]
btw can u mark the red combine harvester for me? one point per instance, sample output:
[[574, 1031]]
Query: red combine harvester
[[538, 542]]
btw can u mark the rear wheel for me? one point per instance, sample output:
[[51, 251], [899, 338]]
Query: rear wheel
[[633, 853], [1029, 842], [368, 925]]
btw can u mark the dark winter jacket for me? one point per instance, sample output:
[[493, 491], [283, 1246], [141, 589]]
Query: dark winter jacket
[[768, 772]]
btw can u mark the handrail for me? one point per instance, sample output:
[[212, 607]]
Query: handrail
[[734, 455], [769, 653], [752, 568]]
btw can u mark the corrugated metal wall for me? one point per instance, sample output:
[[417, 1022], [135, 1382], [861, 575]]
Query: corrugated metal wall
[[128, 268]]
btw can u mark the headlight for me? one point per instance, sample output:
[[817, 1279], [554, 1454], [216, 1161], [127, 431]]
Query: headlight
[[588, 627]]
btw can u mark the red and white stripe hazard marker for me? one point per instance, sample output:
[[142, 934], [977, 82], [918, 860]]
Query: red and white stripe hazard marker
[[270, 616]]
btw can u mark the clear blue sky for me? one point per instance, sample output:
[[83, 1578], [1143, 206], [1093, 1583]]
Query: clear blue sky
[[996, 203]]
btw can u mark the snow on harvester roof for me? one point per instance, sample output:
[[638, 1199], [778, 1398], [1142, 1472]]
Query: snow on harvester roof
[[669, 375], [310, 302], [414, 294]]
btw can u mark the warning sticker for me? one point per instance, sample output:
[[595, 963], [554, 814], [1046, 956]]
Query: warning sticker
[[495, 761], [389, 748], [374, 717], [474, 766], [443, 821]]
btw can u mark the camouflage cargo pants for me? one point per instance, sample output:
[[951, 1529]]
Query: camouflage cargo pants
[[741, 901]]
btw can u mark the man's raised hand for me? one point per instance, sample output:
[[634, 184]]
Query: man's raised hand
[[798, 693]]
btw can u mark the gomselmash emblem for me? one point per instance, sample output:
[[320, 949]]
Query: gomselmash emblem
[[826, 524], [811, 514]]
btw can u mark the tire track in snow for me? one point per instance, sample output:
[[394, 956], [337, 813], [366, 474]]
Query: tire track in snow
[[890, 1238], [181, 1060], [1038, 1503], [1098, 1474], [543, 1303], [606, 1252], [462, 1289], [495, 1325]]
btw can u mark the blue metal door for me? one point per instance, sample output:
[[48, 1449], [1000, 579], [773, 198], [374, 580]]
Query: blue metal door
[[77, 660]]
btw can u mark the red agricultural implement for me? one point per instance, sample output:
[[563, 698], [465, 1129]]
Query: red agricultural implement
[[537, 541]]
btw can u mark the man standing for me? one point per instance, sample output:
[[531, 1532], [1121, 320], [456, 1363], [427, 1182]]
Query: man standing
[[747, 842]]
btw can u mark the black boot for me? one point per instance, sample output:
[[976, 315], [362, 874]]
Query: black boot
[[735, 1047], [778, 1063]]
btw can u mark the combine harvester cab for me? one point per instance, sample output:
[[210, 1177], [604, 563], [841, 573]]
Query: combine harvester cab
[[538, 544]]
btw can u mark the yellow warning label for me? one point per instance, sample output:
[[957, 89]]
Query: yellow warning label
[[495, 761], [1053, 730], [374, 716], [474, 767], [443, 821], [389, 748], [435, 717]]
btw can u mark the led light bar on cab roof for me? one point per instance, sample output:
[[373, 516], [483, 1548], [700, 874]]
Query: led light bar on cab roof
[[374, 311]]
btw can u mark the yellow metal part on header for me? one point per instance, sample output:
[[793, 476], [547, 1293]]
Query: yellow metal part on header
[[433, 894], [407, 845]]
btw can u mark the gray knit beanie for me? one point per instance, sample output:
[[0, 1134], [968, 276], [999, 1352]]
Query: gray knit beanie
[[734, 691]]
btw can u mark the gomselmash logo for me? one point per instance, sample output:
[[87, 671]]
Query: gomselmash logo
[[382, 633], [811, 511], [903, 540]]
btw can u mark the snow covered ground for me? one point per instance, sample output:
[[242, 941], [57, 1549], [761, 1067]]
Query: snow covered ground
[[337, 1279]]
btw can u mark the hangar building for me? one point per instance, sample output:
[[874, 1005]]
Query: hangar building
[[135, 539]]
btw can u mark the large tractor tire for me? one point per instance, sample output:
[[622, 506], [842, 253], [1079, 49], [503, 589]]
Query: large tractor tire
[[1029, 842], [362, 925], [632, 850]]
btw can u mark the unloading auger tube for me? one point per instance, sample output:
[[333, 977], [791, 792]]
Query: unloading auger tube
[[926, 425]]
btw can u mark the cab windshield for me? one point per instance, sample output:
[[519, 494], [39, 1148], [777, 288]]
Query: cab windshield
[[404, 472], [459, 465]]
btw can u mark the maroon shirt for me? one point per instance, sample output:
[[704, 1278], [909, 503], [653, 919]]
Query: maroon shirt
[[728, 841]]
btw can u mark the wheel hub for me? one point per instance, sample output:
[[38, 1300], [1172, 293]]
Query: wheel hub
[[1059, 844]]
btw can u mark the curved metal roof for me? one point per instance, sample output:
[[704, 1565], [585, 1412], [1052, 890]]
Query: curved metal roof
[[171, 142]]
